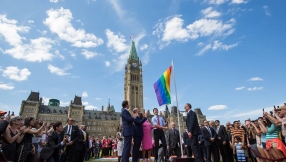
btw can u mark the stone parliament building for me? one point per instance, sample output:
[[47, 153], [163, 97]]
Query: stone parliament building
[[101, 122]]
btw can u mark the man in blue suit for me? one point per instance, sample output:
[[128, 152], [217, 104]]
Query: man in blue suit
[[128, 130], [138, 133], [193, 131]]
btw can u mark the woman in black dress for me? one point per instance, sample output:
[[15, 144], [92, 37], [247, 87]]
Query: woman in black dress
[[27, 149], [12, 137]]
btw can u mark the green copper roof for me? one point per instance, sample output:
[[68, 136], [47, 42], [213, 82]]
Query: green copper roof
[[133, 53]]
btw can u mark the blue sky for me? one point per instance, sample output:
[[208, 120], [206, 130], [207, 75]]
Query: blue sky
[[229, 54]]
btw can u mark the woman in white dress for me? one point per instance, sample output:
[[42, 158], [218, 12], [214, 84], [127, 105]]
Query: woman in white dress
[[120, 143]]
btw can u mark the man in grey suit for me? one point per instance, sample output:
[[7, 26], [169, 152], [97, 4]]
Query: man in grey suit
[[173, 141]]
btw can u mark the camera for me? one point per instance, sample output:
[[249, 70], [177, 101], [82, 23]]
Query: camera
[[66, 135]]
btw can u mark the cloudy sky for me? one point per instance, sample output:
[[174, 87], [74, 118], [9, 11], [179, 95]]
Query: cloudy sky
[[229, 54]]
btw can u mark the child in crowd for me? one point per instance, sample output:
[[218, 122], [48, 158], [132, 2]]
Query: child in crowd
[[238, 150]]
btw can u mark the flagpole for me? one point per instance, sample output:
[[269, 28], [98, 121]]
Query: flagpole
[[178, 112]]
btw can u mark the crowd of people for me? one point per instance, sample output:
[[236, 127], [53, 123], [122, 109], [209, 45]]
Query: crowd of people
[[261, 139]]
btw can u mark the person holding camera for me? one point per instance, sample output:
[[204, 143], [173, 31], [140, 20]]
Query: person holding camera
[[54, 147], [26, 150], [73, 134]]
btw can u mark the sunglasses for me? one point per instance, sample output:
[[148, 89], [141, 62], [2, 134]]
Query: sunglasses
[[19, 119], [72, 120]]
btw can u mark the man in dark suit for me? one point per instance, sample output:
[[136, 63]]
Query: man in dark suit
[[173, 141], [72, 146], [52, 150], [202, 144], [138, 134], [87, 143], [128, 130], [223, 142], [210, 136], [82, 143], [193, 131], [187, 148]]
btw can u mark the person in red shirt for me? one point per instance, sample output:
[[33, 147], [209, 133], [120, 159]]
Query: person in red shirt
[[104, 146]]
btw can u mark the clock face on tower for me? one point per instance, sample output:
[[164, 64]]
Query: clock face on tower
[[134, 64]]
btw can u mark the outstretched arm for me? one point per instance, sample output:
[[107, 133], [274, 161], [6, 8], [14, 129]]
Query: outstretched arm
[[139, 121], [126, 115]]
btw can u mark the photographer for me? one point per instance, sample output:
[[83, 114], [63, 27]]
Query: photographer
[[273, 143], [26, 150], [52, 150], [282, 118]]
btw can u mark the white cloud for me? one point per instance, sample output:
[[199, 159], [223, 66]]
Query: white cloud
[[203, 50], [44, 32], [54, 1], [239, 88], [216, 46], [31, 21], [98, 99], [255, 88], [59, 22], [210, 13], [107, 63], [116, 42], [200, 44], [255, 79], [37, 50], [117, 7], [57, 54], [238, 1], [89, 106], [14, 73], [9, 30], [46, 100], [143, 47], [58, 71], [8, 86], [217, 2], [88, 54], [84, 94], [174, 30], [267, 11], [217, 107], [72, 53], [171, 29]]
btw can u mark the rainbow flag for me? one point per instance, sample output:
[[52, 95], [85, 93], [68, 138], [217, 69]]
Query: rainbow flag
[[162, 88]]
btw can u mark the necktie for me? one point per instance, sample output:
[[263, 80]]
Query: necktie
[[69, 130], [174, 131], [84, 136], [158, 120], [217, 129], [210, 131]]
